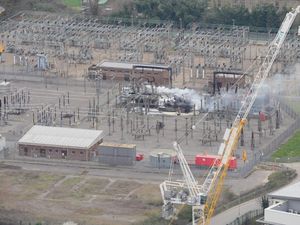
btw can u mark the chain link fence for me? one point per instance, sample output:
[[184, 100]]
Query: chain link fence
[[264, 152]]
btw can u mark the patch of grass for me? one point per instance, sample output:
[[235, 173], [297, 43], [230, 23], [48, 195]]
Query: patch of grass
[[153, 219], [290, 149], [72, 3], [184, 217], [36, 182], [122, 187], [66, 190], [228, 195], [94, 186], [280, 178], [149, 194], [27, 184], [90, 211]]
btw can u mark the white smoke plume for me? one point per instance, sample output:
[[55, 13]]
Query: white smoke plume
[[285, 84], [189, 94], [275, 85]]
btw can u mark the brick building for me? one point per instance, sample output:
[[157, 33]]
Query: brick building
[[60, 143], [156, 74]]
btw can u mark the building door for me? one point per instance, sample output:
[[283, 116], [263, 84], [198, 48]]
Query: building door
[[42, 152], [64, 154], [26, 151]]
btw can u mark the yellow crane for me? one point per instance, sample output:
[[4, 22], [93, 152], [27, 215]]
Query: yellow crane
[[204, 197], [2, 48]]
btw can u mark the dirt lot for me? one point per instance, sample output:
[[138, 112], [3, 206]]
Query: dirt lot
[[33, 196]]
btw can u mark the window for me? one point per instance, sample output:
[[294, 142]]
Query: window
[[56, 151], [42, 152], [73, 152], [50, 150], [81, 153], [126, 77]]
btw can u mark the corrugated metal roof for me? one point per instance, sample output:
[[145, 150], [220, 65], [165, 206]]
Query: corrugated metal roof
[[123, 65], [117, 145], [289, 192], [118, 65], [61, 137]]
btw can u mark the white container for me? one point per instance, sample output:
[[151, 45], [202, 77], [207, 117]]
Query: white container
[[2, 142]]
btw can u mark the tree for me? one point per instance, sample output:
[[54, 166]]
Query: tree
[[228, 15], [264, 202], [265, 15], [94, 6], [184, 12]]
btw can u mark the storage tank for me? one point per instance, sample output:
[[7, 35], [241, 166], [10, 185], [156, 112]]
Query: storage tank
[[162, 158]]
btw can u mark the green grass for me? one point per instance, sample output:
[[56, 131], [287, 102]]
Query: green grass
[[290, 149], [72, 3]]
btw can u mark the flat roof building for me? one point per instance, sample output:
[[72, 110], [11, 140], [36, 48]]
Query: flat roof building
[[60, 142], [117, 154], [284, 208]]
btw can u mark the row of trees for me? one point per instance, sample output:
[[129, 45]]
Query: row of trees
[[185, 12]]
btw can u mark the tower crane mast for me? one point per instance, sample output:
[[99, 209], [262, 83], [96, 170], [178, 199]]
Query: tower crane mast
[[204, 197]]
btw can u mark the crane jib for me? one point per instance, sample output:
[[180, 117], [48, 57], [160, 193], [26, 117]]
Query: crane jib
[[204, 198]]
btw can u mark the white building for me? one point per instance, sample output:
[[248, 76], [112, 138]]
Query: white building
[[284, 208]]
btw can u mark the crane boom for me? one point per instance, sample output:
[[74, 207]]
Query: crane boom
[[230, 143], [203, 198]]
